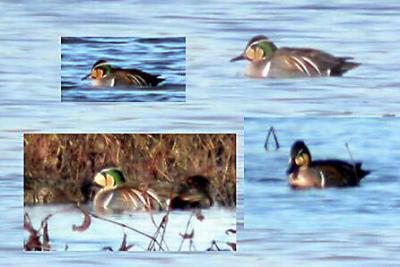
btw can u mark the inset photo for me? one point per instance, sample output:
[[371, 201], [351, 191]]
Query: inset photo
[[123, 69], [136, 192], [323, 183]]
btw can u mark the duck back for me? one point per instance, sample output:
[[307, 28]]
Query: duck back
[[340, 173], [138, 78]]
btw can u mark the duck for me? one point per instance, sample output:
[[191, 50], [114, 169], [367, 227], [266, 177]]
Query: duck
[[103, 74], [267, 60], [116, 195], [303, 172], [193, 193]]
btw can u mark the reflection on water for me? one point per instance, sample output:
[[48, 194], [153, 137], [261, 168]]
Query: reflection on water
[[156, 56], [330, 224], [102, 234]]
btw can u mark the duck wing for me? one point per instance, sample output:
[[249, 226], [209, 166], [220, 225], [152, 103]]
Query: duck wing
[[138, 78], [339, 173], [314, 62]]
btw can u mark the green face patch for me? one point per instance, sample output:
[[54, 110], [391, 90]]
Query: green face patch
[[117, 176], [104, 70], [267, 47], [107, 70]]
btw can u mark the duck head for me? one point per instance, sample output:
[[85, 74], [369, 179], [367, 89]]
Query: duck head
[[259, 48], [99, 70], [199, 182], [299, 157], [194, 192], [109, 178]]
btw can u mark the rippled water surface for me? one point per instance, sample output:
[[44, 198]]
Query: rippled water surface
[[156, 56], [218, 95], [351, 224]]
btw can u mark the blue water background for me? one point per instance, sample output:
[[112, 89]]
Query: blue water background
[[352, 224], [157, 56], [217, 96]]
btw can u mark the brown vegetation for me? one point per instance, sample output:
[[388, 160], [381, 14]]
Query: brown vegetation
[[56, 166]]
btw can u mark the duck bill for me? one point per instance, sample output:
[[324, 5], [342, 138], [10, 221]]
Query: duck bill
[[292, 167], [240, 57], [86, 77]]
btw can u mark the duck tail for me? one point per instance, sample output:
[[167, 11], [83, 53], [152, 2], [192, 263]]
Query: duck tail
[[157, 80], [360, 172], [344, 66]]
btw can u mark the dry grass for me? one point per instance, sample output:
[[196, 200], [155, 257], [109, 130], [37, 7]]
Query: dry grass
[[73, 159]]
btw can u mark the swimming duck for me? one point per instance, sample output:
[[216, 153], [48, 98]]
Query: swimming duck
[[267, 60], [303, 172], [193, 192], [117, 195], [104, 75]]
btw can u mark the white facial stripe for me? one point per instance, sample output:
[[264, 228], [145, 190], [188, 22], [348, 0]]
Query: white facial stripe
[[309, 61], [257, 42], [266, 69], [303, 67], [100, 64]]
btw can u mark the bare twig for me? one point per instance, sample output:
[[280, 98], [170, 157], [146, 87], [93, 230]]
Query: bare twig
[[124, 246], [271, 131], [164, 228], [85, 224], [46, 239], [352, 161], [230, 231], [33, 242], [213, 246], [185, 235], [162, 225], [232, 245], [120, 224]]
